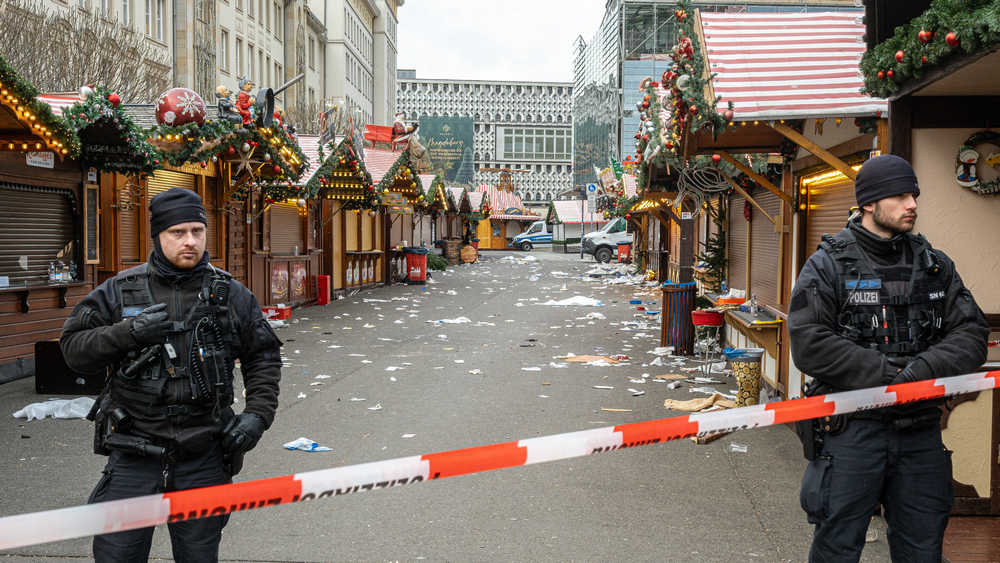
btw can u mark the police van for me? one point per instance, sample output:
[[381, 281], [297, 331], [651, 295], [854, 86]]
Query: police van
[[537, 234]]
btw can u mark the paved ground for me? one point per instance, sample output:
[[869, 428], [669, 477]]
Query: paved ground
[[460, 385]]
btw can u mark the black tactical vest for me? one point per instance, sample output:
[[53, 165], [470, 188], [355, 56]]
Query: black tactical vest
[[171, 389], [870, 315]]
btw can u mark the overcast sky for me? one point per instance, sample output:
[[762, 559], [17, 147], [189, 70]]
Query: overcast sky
[[519, 40]]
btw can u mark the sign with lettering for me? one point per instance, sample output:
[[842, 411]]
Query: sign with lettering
[[449, 142], [46, 159]]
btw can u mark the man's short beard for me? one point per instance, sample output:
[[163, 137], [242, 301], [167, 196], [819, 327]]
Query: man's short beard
[[882, 221]]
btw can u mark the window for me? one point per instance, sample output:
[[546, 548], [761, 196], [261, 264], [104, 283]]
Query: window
[[238, 59], [312, 53], [278, 22], [268, 72], [536, 144], [277, 74], [312, 96], [105, 8], [127, 13], [250, 8], [239, 5], [159, 19], [260, 65], [264, 8], [250, 65], [224, 50]]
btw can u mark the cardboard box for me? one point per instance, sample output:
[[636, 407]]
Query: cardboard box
[[277, 312]]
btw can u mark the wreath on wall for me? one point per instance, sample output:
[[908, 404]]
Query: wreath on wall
[[969, 163]]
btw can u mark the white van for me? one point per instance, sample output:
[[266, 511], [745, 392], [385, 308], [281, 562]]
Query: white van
[[537, 234], [603, 243]]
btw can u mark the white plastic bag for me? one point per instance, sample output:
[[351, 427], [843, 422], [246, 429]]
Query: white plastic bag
[[57, 408]]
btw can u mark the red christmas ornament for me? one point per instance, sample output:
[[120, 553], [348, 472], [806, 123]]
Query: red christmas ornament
[[115, 99], [277, 169], [924, 36], [156, 161], [727, 115], [951, 39], [899, 55], [693, 110], [923, 59], [645, 137], [203, 165], [637, 135], [178, 106], [231, 149], [880, 75], [628, 215], [890, 74], [716, 158]]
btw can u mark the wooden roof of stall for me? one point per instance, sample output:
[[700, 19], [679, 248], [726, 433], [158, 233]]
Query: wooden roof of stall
[[27, 124]]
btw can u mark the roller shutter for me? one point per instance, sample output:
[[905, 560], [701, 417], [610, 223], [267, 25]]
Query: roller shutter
[[211, 226], [163, 180], [286, 229], [736, 247], [128, 234], [828, 210], [765, 247], [36, 227]]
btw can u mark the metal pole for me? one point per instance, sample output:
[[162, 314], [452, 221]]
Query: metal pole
[[583, 225]]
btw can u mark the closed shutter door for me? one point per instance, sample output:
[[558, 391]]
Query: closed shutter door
[[36, 227], [128, 233], [163, 180], [211, 225], [737, 244], [764, 249], [828, 210], [286, 229]]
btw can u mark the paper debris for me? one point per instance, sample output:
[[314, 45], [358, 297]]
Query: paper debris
[[476, 371], [740, 448], [357, 399], [458, 320], [558, 365], [302, 396], [577, 300], [305, 445], [695, 405], [602, 387], [615, 410], [407, 435], [587, 359], [636, 392], [668, 377], [531, 368], [377, 407], [393, 368]]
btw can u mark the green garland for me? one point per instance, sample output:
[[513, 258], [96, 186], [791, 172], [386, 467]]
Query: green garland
[[127, 152], [25, 94], [689, 110], [343, 156], [922, 43], [617, 207], [402, 163]]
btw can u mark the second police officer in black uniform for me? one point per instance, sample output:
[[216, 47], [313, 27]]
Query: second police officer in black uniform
[[877, 305], [170, 331]]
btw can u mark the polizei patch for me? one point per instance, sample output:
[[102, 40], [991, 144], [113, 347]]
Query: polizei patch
[[863, 298]]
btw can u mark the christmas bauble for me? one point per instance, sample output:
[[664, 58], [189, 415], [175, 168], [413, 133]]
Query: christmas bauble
[[115, 99], [178, 106], [727, 115], [277, 169], [683, 81], [923, 59], [890, 74], [716, 158], [924, 36], [899, 55], [951, 39], [880, 75]]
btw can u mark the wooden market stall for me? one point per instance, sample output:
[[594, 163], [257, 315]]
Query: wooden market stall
[[47, 217], [942, 118], [353, 238], [507, 218], [569, 221]]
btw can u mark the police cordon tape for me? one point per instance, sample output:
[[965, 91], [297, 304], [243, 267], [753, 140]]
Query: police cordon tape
[[140, 512]]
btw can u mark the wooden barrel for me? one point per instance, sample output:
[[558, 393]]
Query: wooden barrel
[[451, 251], [469, 253]]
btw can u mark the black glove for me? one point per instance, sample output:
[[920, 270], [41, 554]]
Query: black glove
[[150, 326], [917, 370], [242, 432]]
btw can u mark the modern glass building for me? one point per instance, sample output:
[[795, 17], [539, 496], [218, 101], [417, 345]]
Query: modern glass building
[[633, 41]]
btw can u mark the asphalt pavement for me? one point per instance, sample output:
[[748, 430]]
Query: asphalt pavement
[[373, 377]]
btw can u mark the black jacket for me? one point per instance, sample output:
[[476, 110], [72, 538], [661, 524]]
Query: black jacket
[[820, 351], [93, 339]]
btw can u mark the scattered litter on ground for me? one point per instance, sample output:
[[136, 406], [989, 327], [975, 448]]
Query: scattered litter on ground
[[543, 396], [277, 323], [392, 378], [377, 407], [531, 368], [393, 368], [357, 399], [585, 359], [615, 410], [577, 300], [636, 392], [305, 445], [668, 377], [695, 405], [662, 351], [558, 365], [739, 448], [302, 396], [476, 371], [407, 435], [458, 320], [459, 361], [674, 385], [602, 387], [57, 408]]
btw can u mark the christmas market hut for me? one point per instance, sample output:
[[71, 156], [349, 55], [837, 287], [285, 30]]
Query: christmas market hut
[[423, 223], [507, 218], [937, 62], [569, 221], [352, 220], [246, 173], [443, 206], [44, 265], [770, 166], [399, 187]]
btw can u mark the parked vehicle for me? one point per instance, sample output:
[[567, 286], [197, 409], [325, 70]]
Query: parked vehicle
[[603, 243], [538, 233]]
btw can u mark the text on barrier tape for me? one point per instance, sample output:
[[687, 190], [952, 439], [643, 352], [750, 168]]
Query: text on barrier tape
[[140, 512]]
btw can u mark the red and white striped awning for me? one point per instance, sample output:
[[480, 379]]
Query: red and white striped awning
[[310, 147], [379, 161], [502, 201], [788, 65], [59, 101]]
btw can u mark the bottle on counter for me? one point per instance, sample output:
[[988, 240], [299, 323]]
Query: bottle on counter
[[52, 271]]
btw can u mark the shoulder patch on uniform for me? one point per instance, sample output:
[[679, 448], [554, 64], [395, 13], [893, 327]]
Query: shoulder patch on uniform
[[863, 284], [863, 298], [130, 311]]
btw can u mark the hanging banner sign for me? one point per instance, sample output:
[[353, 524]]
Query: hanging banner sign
[[40, 159]]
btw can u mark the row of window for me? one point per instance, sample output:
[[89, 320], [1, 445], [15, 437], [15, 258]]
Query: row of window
[[154, 14], [548, 168], [446, 88], [359, 112], [499, 117], [359, 76], [541, 144], [251, 63], [358, 35], [266, 10]]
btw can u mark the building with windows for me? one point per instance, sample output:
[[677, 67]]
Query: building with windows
[[518, 125], [633, 41]]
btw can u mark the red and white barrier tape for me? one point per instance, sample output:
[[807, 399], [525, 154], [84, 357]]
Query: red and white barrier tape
[[140, 512]]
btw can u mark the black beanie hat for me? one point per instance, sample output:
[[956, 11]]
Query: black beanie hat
[[884, 176], [176, 205]]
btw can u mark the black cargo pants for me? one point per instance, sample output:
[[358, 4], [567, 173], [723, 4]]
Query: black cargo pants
[[127, 476], [870, 462]]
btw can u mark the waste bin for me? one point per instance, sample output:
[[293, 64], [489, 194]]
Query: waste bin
[[625, 252], [416, 265], [677, 329], [747, 369], [475, 243], [322, 290]]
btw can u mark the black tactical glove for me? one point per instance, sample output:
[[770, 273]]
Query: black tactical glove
[[917, 370], [242, 433], [150, 326]]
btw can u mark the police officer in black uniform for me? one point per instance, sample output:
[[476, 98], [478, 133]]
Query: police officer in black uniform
[[877, 305], [169, 332]]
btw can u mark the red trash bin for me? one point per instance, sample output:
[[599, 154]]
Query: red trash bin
[[322, 290], [624, 252], [416, 265], [475, 243]]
